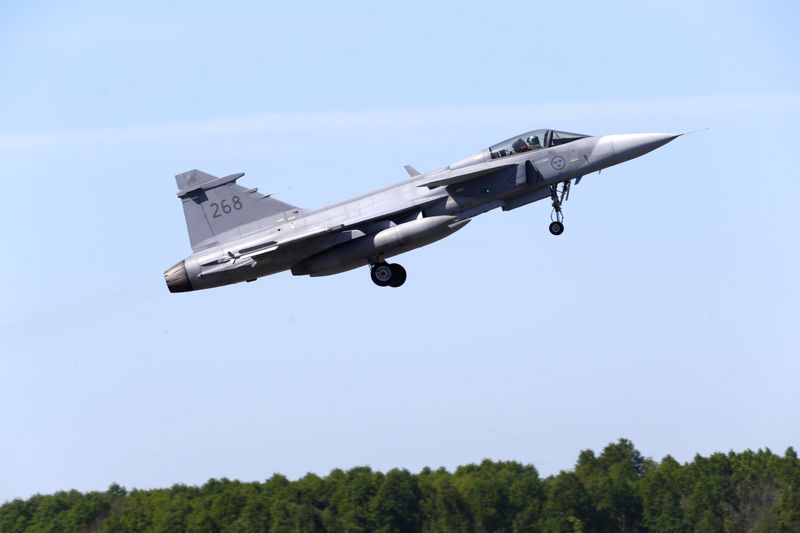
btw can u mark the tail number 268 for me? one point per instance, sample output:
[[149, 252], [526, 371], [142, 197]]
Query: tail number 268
[[223, 208]]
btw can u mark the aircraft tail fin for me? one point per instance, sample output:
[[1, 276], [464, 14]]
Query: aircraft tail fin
[[219, 209]]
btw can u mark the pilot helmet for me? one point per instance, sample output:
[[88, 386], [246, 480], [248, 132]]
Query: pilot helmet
[[533, 140]]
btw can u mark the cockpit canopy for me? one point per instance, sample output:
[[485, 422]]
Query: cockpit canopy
[[533, 140]]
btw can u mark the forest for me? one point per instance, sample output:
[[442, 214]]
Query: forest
[[615, 490]]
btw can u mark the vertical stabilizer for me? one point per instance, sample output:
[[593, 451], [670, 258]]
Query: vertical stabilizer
[[218, 209]]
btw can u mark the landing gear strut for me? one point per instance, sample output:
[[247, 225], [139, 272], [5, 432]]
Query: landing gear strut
[[558, 197], [387, 274]]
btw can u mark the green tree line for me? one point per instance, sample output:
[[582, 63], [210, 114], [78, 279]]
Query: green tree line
[[617, 490]]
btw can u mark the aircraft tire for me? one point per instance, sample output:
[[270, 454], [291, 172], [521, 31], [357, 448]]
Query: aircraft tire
[[382, 274], [556, 228], [398, 275]]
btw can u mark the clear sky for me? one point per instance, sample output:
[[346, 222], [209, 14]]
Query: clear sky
[[667, 313]]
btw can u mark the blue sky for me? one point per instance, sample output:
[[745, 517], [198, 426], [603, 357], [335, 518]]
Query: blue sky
[[667, 313]]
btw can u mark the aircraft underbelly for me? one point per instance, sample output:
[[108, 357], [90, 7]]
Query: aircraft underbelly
[[386, 243]]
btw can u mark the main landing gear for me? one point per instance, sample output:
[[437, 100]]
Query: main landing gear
[[558, 197], [387, 274]]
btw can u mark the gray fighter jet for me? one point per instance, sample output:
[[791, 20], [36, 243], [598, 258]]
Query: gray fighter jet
[[238, 234]]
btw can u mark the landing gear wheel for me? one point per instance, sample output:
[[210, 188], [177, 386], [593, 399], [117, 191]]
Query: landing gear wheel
[[381, 274], [558, 198], [398, 275], [556, 227]]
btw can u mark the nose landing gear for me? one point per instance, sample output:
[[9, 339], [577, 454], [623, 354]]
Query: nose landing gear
[[556, 215], [387, 274]]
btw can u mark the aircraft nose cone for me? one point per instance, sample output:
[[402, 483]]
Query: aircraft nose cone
[[631, 145]]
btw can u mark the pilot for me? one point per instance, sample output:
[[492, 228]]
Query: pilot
[[533, 142], [520, 146]]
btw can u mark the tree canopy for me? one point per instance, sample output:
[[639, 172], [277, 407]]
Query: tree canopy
[[617, 490]]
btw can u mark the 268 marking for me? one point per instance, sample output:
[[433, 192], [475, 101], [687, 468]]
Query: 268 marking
[[225, 207]]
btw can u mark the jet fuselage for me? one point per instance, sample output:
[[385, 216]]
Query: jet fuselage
[[370, 228]]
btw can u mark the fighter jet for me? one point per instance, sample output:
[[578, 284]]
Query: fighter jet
[[238, 234]]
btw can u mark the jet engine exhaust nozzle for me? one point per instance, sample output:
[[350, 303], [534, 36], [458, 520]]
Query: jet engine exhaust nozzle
[[177, 278]]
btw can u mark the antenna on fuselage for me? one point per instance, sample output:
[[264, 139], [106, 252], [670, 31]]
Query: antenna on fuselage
[[278, 192]]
